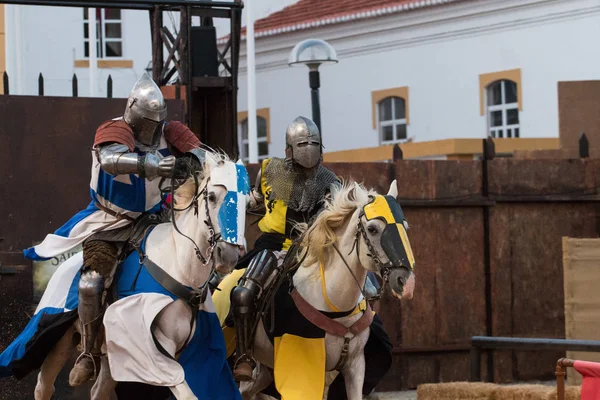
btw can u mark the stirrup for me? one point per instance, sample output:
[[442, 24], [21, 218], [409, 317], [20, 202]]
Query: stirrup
[[243, 369], [90, 356]]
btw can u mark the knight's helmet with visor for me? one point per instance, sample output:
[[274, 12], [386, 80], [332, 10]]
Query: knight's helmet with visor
[[146, 111], [304, 139]]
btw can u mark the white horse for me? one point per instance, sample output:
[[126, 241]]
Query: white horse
[[199, 202], [344, 242]]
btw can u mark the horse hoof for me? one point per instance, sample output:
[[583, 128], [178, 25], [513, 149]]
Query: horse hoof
[[243, 373], [81, 372]]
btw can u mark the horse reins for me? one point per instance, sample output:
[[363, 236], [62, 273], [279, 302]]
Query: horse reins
[[384, 269]]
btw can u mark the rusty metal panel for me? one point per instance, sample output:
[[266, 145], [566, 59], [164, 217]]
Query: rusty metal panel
[[434, 179], [415, 322], [536, 177], [501, 287], [376, 176], [537, 273], [448, 247], [460, 275], [454, 367], [578, 104]]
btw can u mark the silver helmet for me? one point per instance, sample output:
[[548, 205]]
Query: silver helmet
[[146, 109], [304, 139]]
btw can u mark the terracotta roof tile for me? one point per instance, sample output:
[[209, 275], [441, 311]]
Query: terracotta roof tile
[[307, 14]]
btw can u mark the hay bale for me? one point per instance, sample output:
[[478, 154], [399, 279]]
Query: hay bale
[[522, 392], [571, 393], [490, 391], [455, 391], [533, 392]]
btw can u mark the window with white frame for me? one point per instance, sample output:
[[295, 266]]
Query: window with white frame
[[503, 109], [109, 34], [391, 115], [261, 133]]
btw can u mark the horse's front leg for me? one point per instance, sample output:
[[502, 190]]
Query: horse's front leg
[[354, 377], [53, 364], [172, 330], [105, 384]]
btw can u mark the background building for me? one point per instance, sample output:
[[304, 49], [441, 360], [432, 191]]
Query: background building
[[409, 70], [424, 70], [53, 41]]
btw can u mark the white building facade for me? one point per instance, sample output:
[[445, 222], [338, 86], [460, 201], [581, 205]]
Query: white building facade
[[417, 70], [430, 70], [53, 41]]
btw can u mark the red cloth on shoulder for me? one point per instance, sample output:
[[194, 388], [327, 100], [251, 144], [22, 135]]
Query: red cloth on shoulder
[[590, 388], [180, 136], [115, 131]]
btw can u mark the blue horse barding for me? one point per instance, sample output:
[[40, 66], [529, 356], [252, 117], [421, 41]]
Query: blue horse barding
[[162, 329]]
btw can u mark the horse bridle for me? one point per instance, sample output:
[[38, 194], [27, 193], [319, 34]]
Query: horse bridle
[[213, 238], [383, 268]]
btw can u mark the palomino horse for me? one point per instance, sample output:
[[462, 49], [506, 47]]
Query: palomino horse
[[358, 231], [149, 331]]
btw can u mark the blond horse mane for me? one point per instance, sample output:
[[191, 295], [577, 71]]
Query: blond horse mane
[[319, 237]]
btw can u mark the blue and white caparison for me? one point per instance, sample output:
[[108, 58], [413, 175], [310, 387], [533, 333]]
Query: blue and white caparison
[[232, 214], [203, 360]]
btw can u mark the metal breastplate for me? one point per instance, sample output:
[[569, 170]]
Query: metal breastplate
[[294, 186]]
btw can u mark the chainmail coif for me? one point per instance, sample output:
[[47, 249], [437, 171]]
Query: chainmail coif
[[292, 184]]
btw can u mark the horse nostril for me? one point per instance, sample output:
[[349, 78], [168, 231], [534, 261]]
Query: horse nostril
[[401, 281], [219, 251]]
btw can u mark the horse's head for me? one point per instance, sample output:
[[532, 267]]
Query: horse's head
[[367, 230], [219, 203], [385, 247]]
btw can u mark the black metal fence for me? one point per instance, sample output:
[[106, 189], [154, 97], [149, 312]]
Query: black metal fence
[[75, 87], [479, 343]]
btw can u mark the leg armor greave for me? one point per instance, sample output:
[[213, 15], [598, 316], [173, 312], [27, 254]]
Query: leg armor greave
[[245, 297], [91, 288]]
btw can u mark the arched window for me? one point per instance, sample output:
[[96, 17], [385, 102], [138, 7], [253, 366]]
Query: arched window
[[261, 133], [503, 109], [391, 115]]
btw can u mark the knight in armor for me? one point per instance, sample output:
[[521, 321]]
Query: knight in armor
[[130, 156], [292, 190]]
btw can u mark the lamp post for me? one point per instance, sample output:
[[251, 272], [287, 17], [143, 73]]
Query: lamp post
[[313, 53]]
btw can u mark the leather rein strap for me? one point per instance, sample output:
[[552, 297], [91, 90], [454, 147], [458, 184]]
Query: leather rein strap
[[191, 297], [329, 325]]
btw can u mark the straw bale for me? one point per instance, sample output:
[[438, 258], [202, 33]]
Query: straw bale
[[571, 393], [522, 392], [490, 391], [455, 391]]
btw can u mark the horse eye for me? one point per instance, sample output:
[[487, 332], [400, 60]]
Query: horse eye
[[212, 197], [372, 230]]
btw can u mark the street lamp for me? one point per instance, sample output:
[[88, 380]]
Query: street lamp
[[312, 53]]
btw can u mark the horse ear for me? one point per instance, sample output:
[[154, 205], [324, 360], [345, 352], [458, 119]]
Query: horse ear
[[352, 192], [334, 189], [393, 189], [210, 162]]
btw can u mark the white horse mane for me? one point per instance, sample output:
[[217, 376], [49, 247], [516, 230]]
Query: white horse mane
[[186, 192], [319, 237]]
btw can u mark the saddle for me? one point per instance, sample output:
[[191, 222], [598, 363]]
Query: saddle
[[126, 240]]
